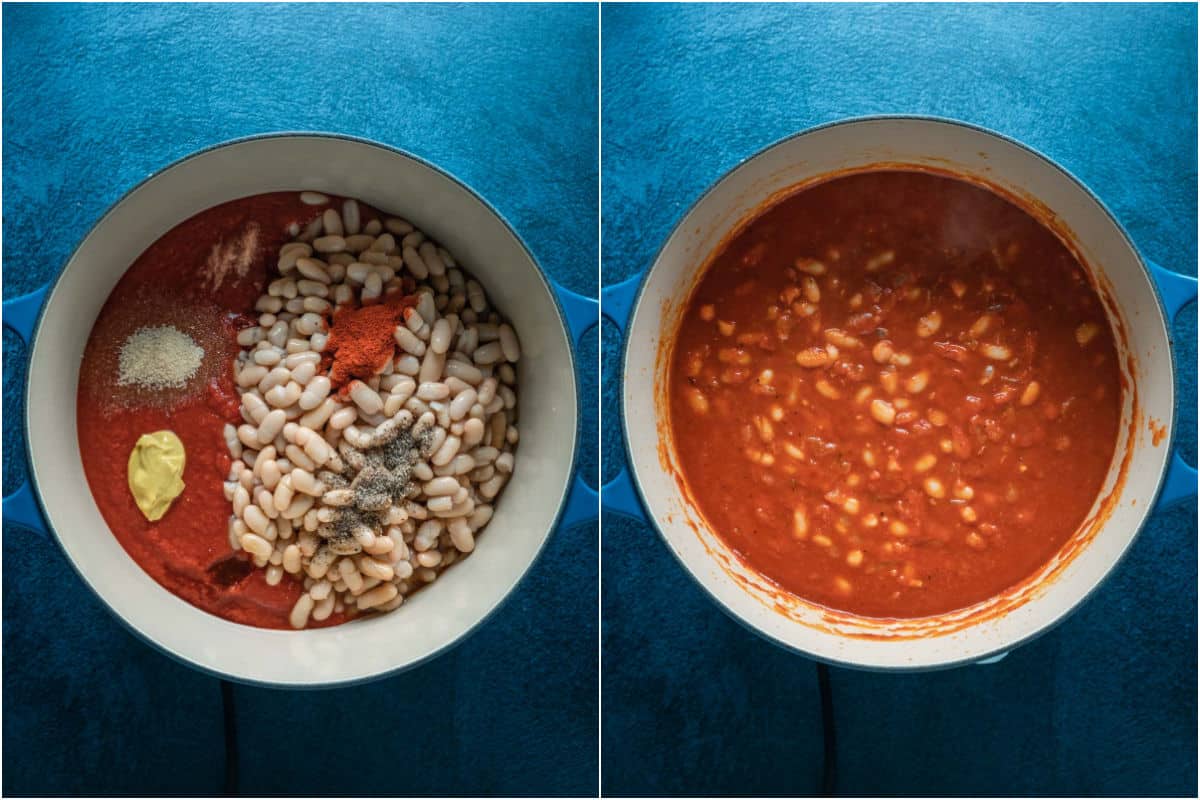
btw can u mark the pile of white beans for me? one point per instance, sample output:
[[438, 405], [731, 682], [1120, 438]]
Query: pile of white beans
[[452, 380]]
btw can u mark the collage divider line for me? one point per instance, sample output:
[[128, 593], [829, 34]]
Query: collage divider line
[[600, 398]]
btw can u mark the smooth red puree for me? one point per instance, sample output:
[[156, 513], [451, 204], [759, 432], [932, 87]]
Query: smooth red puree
[[202, 277]]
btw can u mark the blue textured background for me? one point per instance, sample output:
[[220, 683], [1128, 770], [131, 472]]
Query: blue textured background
[[1106, 703], [95, 98]]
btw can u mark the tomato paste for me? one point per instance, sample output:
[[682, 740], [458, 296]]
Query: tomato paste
[[202, 277]]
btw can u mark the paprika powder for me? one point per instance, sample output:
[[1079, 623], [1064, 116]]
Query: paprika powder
[[361, 340]]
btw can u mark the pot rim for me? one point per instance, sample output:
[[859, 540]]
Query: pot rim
[[1146, 512], [31, 351]]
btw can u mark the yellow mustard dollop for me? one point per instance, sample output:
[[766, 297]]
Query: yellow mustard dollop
[[156, 472]]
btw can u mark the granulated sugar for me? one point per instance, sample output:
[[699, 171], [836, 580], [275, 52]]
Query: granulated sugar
[[158, 358], [231, 257]]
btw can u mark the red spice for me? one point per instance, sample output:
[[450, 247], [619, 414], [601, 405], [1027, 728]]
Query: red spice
[[360, 339]]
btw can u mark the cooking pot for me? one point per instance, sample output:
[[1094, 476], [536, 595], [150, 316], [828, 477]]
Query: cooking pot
[[56, 322], [1144, 475]]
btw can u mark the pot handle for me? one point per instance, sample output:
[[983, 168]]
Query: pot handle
[[616, 301], [1176, 291], [20, 315], [582, 313], [619, 494]]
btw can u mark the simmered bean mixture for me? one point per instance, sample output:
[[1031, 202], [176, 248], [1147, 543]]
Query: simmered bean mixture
[[895, 394]]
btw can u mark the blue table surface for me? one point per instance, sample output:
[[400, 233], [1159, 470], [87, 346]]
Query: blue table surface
[[95, 98], [1106, 703]]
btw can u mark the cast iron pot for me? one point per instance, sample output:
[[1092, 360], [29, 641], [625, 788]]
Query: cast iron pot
[[1144, 473], [56, 321]]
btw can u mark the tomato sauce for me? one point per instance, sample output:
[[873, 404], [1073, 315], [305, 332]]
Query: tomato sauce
[[895, 393], [203, 277]]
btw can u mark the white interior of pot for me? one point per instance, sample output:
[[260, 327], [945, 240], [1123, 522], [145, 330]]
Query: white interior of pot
[[947, 639], [465, 594]]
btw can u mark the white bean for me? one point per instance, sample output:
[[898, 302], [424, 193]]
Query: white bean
[[310, 288], [256, 546], [432, 366], [278, 334], [408, 341], [255, 519], [461, 535], [343, 418], [332, 222], [463, 371], [433, 391], [248, 435], [462, 403], [294, 360], [314, 393], [491, 487], [255, 407], [268, 304], [304, 373], [439, 339], [276, 377], [446, 452], [318, 450], [427, 534], [384, 244], [373, 287], [376, 569], [476, 297], [301, 505], [408, 365], [303, 481], [509, 344], [414, 263], [271, 425], [351, 218], [248, 337], [427, 306], [299, 458], [489, 353], [291, 560], [473, 430], [378, 596], [366, 398], [241, 499], [329, 244], [251, 375], [284, 494], [313, 270], [299, 616], [284, 396], [317, 418], [324, 608], [264, 500], [317, 305], [480, 517], [268, 357], [440, 486]]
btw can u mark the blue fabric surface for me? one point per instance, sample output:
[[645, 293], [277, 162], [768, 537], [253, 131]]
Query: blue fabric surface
[[1106, 703], [95, 98]]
